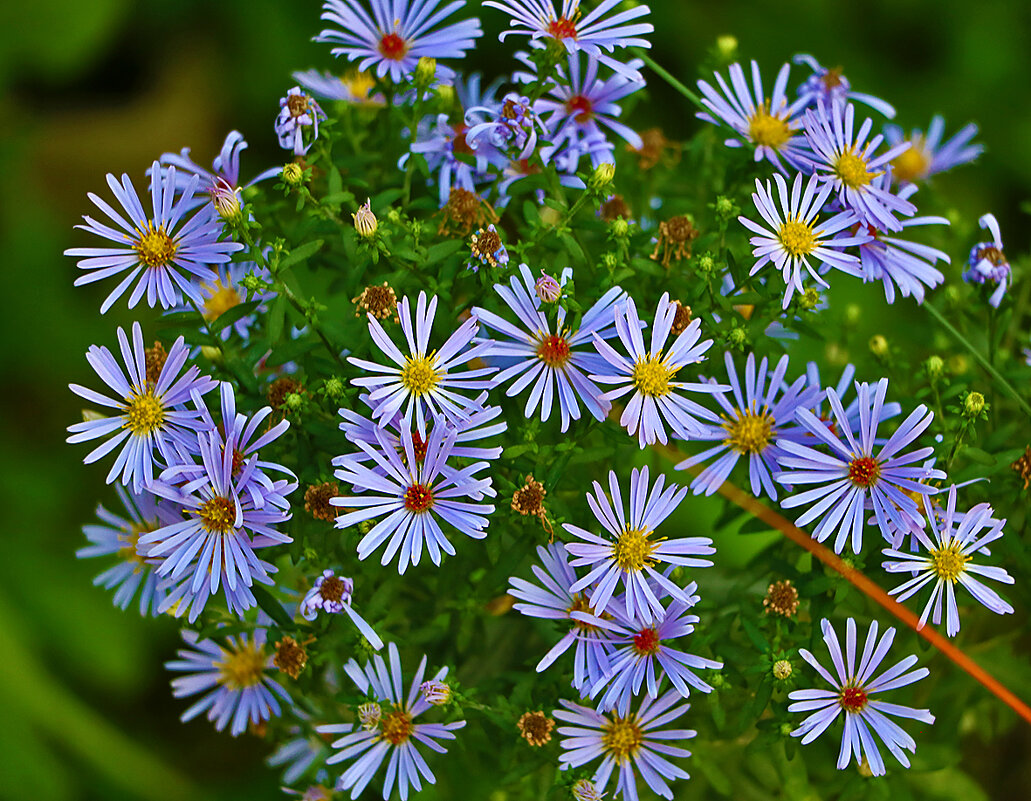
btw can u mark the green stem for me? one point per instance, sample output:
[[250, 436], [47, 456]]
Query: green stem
[[668, 78], [981, 360]]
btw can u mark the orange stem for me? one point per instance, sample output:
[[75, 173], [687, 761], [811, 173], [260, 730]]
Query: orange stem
[[863, 584]]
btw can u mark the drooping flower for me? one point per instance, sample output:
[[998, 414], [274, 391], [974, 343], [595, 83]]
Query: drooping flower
[[590, 34], [397, 34], [927, 154], [769, 124], [988, 262], [166, 250], [633, 741], [847, 160], [425, 381], [117, 535], [486, 247], [410, 494], [853, 477], [509, 127], [148, 404], [393, 731], [235, 677], [957, 538], [352, 87], [629, 552], [659, 398], [852, 693], [829, 85], [554, 600], [297, 125], [755, 425], [551, 358], [332, 594], [794, 236]]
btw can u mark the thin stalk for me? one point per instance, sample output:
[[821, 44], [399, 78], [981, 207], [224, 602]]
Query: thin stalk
[[663, 73]]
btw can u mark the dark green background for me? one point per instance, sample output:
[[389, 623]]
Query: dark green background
[[92, 86]]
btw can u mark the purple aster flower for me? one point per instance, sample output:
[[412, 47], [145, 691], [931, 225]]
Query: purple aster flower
[[829, 86], [332, 594], [847, 160], [630, 553], [893, 261], [509, 127], [532, 354], [927, 154], [164, 250], [235, 678], [224, 524], [412, 494], [659, 400], [769, 124], [554, 600], [298, 754], [864, 716], [397, 34], [353, 87], [852, 477], [590, 34], [117, 535], [634, 741], [643, 656], [436, 693], [425, 381], [148, 404], [298, 112], [755, 425], [794, 233], [947, 561], [988, 262], [823, 411], [486, 247], [392, 731]]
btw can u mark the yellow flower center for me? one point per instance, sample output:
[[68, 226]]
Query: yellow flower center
[[581, 604], [851, 169], [912, 164], [358, 83], [154, 247], [144, 414], [633, 549], [397, 727], [243, 667], [622, 738], [131, 538], [750, 433], [766, 129], [419, 375], [217, 515], [651, 377], [221, 299], [797, 238], [948, 562]]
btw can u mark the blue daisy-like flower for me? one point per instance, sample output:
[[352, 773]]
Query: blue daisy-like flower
[[794, 236], [757, 423], [552, 599], [630, 552], [116, 535], [928, 154], [331, 594], [297, 125], [149, 400], [551, 358], [829, 85], [771, 124], [988, 262], [352, 87], [388, 728], [424, 382], [852, 477], [865, 716], [235, 677], [627, 742], [166, 249], [847, 160], [947, 561], [392, 39], [659, 399], [410, 494], [509, 127]]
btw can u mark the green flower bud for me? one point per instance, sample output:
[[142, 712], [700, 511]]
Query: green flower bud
[[781, 669], [706, 264], [725, 207], [878, 346], [293, 175], [737, 337], [293, 401], [334, 387], [974, 405], [852, 313], [425, 71], [619, 227], [809, 299], [934, 366], [726, 48], [365, 222], [602, 176], [610, 260]]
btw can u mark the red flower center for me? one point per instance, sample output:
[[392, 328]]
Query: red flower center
[[562, 28], [553, 351], [393, 47], [864, 471], [418, 498], [418, 446], [580, 107], [646, 642], [853, 699]]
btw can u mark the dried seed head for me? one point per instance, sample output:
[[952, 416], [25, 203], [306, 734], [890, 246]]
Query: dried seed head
[[615, 208], [316, 500], [290, 657], [1023, 467], [681, 320], [653, 147], [536, 728], [529, 499], [674, 241], [781, 599], [464, 211], [154, 358], [280, 388], [379, 301]]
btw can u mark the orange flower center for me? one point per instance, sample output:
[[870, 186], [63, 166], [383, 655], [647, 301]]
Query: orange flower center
[[853, 699], [562, 28], [864, 471], [553, 350]]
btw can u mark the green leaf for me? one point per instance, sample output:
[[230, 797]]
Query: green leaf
[[276, 319], [230, 316], [441, 251], [299, 254], [271, 607], [756, 636]]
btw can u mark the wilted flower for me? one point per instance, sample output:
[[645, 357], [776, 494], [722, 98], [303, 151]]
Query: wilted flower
[[365, 222]]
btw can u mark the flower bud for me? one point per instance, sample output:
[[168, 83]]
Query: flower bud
[[226, 199], [212, 354], [603, 175], [365, 222], [425, 71], [853, 311], [809, 299], [547, 288], [436, 693], [725, 208], [446, 94], [334, 388], [293, 175], [293, 401], [369, 715], [934, 367], [974, 405], [878, 346], [726, 47], [706, 264], [584, 790], [782, 669], [619, 227], [736, 337]]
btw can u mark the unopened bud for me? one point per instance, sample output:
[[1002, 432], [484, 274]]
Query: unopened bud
[[706, 264], [853, 312], [365, 222], [934, 367], [619, 227], [446, 94], [725, 207], [293, 401], [436, 693], [726, 46], [226, 199], [425, 71], [736, 337], [293, 175], [878, 346], [809, 299], [974, 405], [603, 175], [334, 388], [547, 288], [781, 669], [212, 354]]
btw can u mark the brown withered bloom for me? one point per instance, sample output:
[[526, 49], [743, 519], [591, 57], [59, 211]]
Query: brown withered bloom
[[681, 320], [781, 599], [280, 388], [615, 208], [154, 359], [529, 500], [1023, 467], [536, 728], [675, 237], [464, 211], [653, 148], [290, 657], [379, 301], [316, 500]]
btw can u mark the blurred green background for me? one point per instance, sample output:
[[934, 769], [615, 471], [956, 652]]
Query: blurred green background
[[92, 86]]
